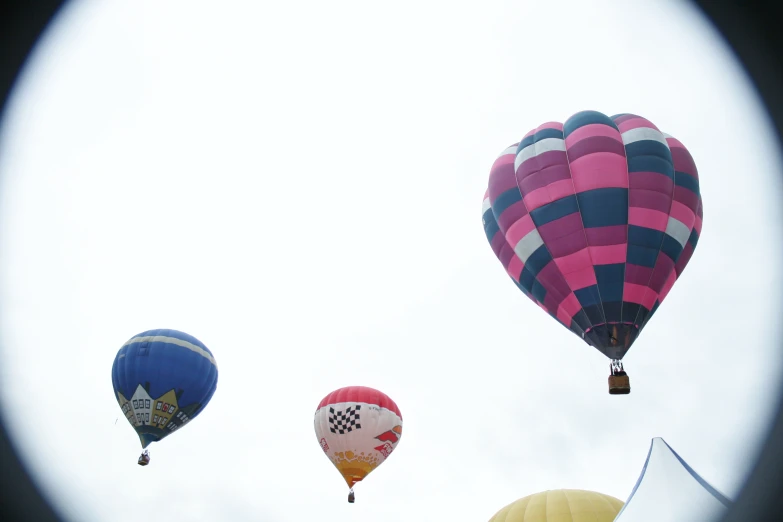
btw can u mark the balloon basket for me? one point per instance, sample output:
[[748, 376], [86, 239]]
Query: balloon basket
[[619, 385], [351, 497], [144, 458]]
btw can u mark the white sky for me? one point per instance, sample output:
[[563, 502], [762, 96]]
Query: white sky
[[299, 186]]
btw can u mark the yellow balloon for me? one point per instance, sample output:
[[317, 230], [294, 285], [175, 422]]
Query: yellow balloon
[[561, 505]]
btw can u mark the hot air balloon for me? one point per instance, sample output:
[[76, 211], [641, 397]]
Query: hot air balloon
[[595, 219], [358, 428], [162, 380], [560, 505]]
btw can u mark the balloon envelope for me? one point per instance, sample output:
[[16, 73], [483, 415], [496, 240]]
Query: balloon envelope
[[358, 428], [572, 505], [162, 380], [595, 219]]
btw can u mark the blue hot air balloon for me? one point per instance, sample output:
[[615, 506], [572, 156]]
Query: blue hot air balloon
[[162, 380]]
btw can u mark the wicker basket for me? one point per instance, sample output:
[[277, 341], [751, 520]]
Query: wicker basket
[[619, 385]]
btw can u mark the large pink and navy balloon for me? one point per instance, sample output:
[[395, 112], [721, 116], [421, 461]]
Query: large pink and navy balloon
[[595, 219]]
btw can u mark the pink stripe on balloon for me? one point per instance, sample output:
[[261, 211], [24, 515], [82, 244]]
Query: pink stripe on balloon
[[644, 180], [571, 304], [539, 171], [498, 240], [511, 215], [599, 170], [635, 123], [550, 125], [650, 199], [685, 256], [564, 317], [577, 261], [551, 302], [674, 143], [683, 161], [568, 244], [686, 197], [667, 286], [633, 293], [637, 274], [612, 235], [609, 254], [538, 198], [581, 278], [561, 189], [697, 225], [519, 230], [648, 218], [515, 268], [501, 177], [664, 265], [625, 117], [552, 280], [589, 131], [548, 193], [568, 308], [506, 253], [683, 214], [639, 294]]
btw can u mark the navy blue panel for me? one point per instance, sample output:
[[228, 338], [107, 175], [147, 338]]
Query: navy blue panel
[[517, 276], [646, 237], [671, 247], [693, 238], [594, 314], [581, 319], [539, 292], [642, 256], [587, 296], [526, 142], [491, 226], [580, 119], [603, 207], [548, 133], [555, 210], [610, 284], [631, 312], [526, 279], [521, 288], [538, 136], [651, 164], [593, 339], [574, 327], [505, 200], [612, 309], [649, 148], [686, 180], [538, 260], [641, 319]]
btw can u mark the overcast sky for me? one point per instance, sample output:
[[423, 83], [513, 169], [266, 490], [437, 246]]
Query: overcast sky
[[299, 186]]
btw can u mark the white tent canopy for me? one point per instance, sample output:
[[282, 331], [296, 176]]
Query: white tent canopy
[[669, 490]]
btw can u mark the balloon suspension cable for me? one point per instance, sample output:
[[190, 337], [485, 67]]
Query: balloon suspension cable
[[616, 366]]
